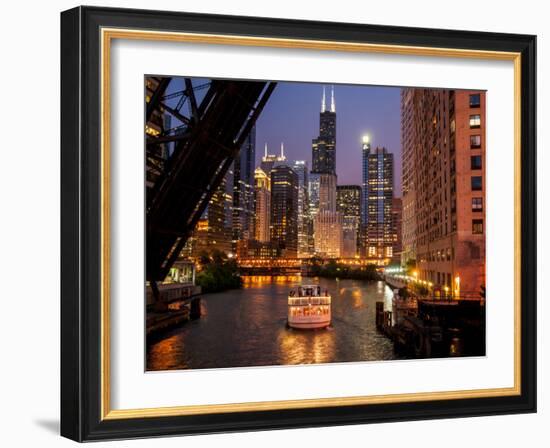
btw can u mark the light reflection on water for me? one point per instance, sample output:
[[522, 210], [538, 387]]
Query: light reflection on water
[[247, 327]]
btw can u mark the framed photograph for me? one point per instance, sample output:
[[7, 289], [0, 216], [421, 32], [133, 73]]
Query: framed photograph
[[273, 223]]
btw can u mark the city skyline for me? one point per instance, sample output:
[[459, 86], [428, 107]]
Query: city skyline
[[292, 116]]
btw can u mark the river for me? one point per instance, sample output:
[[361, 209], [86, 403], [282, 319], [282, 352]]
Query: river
[[247, 327]]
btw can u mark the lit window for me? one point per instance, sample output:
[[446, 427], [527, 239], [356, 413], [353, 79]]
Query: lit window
[[477, 226], [475, 141], [475, 100], [477, 204], [475, 162], [475, 121], [477, 183]]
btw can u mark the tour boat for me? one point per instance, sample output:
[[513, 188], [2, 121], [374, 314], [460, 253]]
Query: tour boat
[[309, 307]]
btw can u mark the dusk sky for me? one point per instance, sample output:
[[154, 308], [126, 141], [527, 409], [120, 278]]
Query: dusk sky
[[292, 116]]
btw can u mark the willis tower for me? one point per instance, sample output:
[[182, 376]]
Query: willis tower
[[327, 221], [324, 146]]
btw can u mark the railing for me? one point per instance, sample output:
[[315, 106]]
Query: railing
[[306, 301]]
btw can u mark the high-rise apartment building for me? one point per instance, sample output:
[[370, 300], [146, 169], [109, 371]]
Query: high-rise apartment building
[[262, 208], [284, 210], [443, 135], [377, 201], [348, 204]]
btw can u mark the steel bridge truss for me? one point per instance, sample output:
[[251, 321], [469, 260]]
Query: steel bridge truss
[[209, 122]]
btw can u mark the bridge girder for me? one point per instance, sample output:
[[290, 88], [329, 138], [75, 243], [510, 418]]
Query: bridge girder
[[206, 143]]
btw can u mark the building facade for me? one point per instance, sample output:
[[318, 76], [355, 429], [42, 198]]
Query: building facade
[[411, 127], [348, 204], [305, 240], [314, 184], [444, 139], [262, 205], [284, 210], [213, 230], [397, 230], [377, 201]]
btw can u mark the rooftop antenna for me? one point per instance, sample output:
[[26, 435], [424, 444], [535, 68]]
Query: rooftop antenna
[[265, 150], [282, 151], [332, 101], [323, 101]]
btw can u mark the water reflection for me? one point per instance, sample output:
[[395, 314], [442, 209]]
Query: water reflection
[[247, 327]]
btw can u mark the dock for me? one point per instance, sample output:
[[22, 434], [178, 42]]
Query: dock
[[179, 303], [428, 328]]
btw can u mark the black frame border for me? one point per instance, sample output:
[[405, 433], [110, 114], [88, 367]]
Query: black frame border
[[81, 223]]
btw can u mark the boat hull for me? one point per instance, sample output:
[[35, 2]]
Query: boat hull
[[308, 324]]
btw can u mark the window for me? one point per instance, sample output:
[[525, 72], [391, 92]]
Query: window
[[475, 121], [475, 141], [476, 183], [477, 204], [477, 226], [475, 100], [475, 162]]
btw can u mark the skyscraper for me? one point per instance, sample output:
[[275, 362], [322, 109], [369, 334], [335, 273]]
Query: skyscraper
[[324, 146], [365, 152], [213, 231], [377, 198], [305, 241], [262, 215], [327, 222], [270, 160], [348, 203], [443, 136], [284, 210], [314, 184], [243, 189]]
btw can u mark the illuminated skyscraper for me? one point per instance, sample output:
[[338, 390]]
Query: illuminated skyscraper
[[377, 200], [262, 213], [271, 160], [284, 210], [305, 241], [324, 146], [314, 184], [327, 222], [348, 203]]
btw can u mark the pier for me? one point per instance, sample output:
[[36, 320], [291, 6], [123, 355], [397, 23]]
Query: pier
[[427, 328], [179, 303]]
